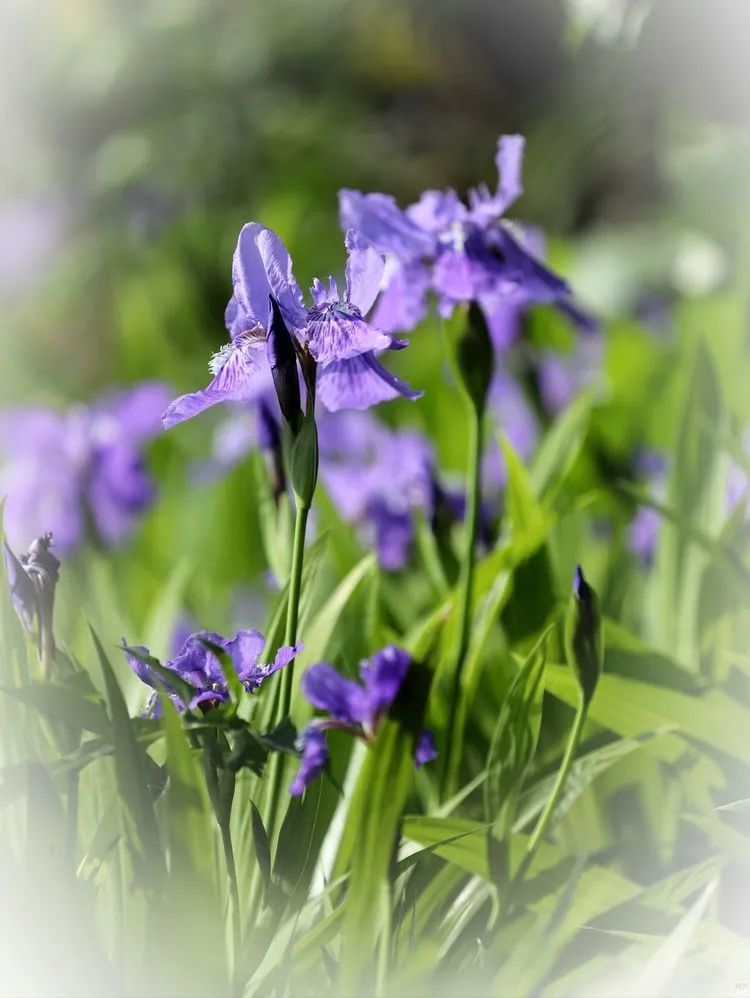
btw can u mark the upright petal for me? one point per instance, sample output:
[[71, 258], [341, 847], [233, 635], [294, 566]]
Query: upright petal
[[134, 656], [383, 675], [312, 762], [359, 383], [509, 162], [245, 649], [262, 266], [384, 224], [453, 276], [364, 272], [437, 211], [326, 689], [238, 371]]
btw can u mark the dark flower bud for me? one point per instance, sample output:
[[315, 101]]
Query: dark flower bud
[[269, 439], [583, 635], [475, 357], [32, 580], [282, 358]]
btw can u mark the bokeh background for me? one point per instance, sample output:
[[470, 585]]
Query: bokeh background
[[138, 137]]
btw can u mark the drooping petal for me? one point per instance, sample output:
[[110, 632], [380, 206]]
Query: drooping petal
[[383, 675], [196, 663], [328, 690], [238, 378], [262, 266], [425, 750], [312, 762], [384, 224], [141, 668], [364, 272], [359, 383], [403, 302], [338, 332]]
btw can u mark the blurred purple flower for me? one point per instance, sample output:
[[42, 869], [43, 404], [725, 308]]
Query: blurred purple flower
[[461, 252], [333, 329], [64, 470], [377, 478], [644, 529], [512, 415], [561, 376], [354, 707], [198, 666]]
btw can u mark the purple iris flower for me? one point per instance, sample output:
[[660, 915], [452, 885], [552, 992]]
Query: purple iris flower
[[377, 478], [334, 329], [64, 470], [462, 252], [354, 707], [198, 666]]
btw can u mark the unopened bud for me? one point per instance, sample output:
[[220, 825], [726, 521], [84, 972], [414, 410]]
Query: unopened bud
[[583, 635], [475, 357], [282, 358], [32, 580]]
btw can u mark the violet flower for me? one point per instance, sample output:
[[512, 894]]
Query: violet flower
[[462, 252], [32, 580], [66, 471], [378, 479], [333, 330], [357, 708], [198, 666]]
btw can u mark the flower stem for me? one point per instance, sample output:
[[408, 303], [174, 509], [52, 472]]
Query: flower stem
[[226, 841], [542, 824], [276, 767], [465, 586], [562, 778]]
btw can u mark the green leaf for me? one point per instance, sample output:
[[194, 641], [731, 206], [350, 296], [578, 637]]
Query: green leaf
[[84, 712], [631, 708], [375, 813], [132, 781], [514, 740], [262, 847], [560, 447]]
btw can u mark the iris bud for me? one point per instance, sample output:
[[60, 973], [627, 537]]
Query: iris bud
[[475, 357], [583, 636], [303, 463], [32, 580], [282, 358]]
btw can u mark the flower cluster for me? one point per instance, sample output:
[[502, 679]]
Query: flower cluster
[[64, 471], [356, 708], [197, 665]]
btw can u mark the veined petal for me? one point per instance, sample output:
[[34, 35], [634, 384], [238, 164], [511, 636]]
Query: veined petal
[[245, 649], [384, 224], [237, 367], [328, 690], [453, 276], [338, 332], [383, 675], [262, 266], [313, 760], [359, 383], [364, 272]]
